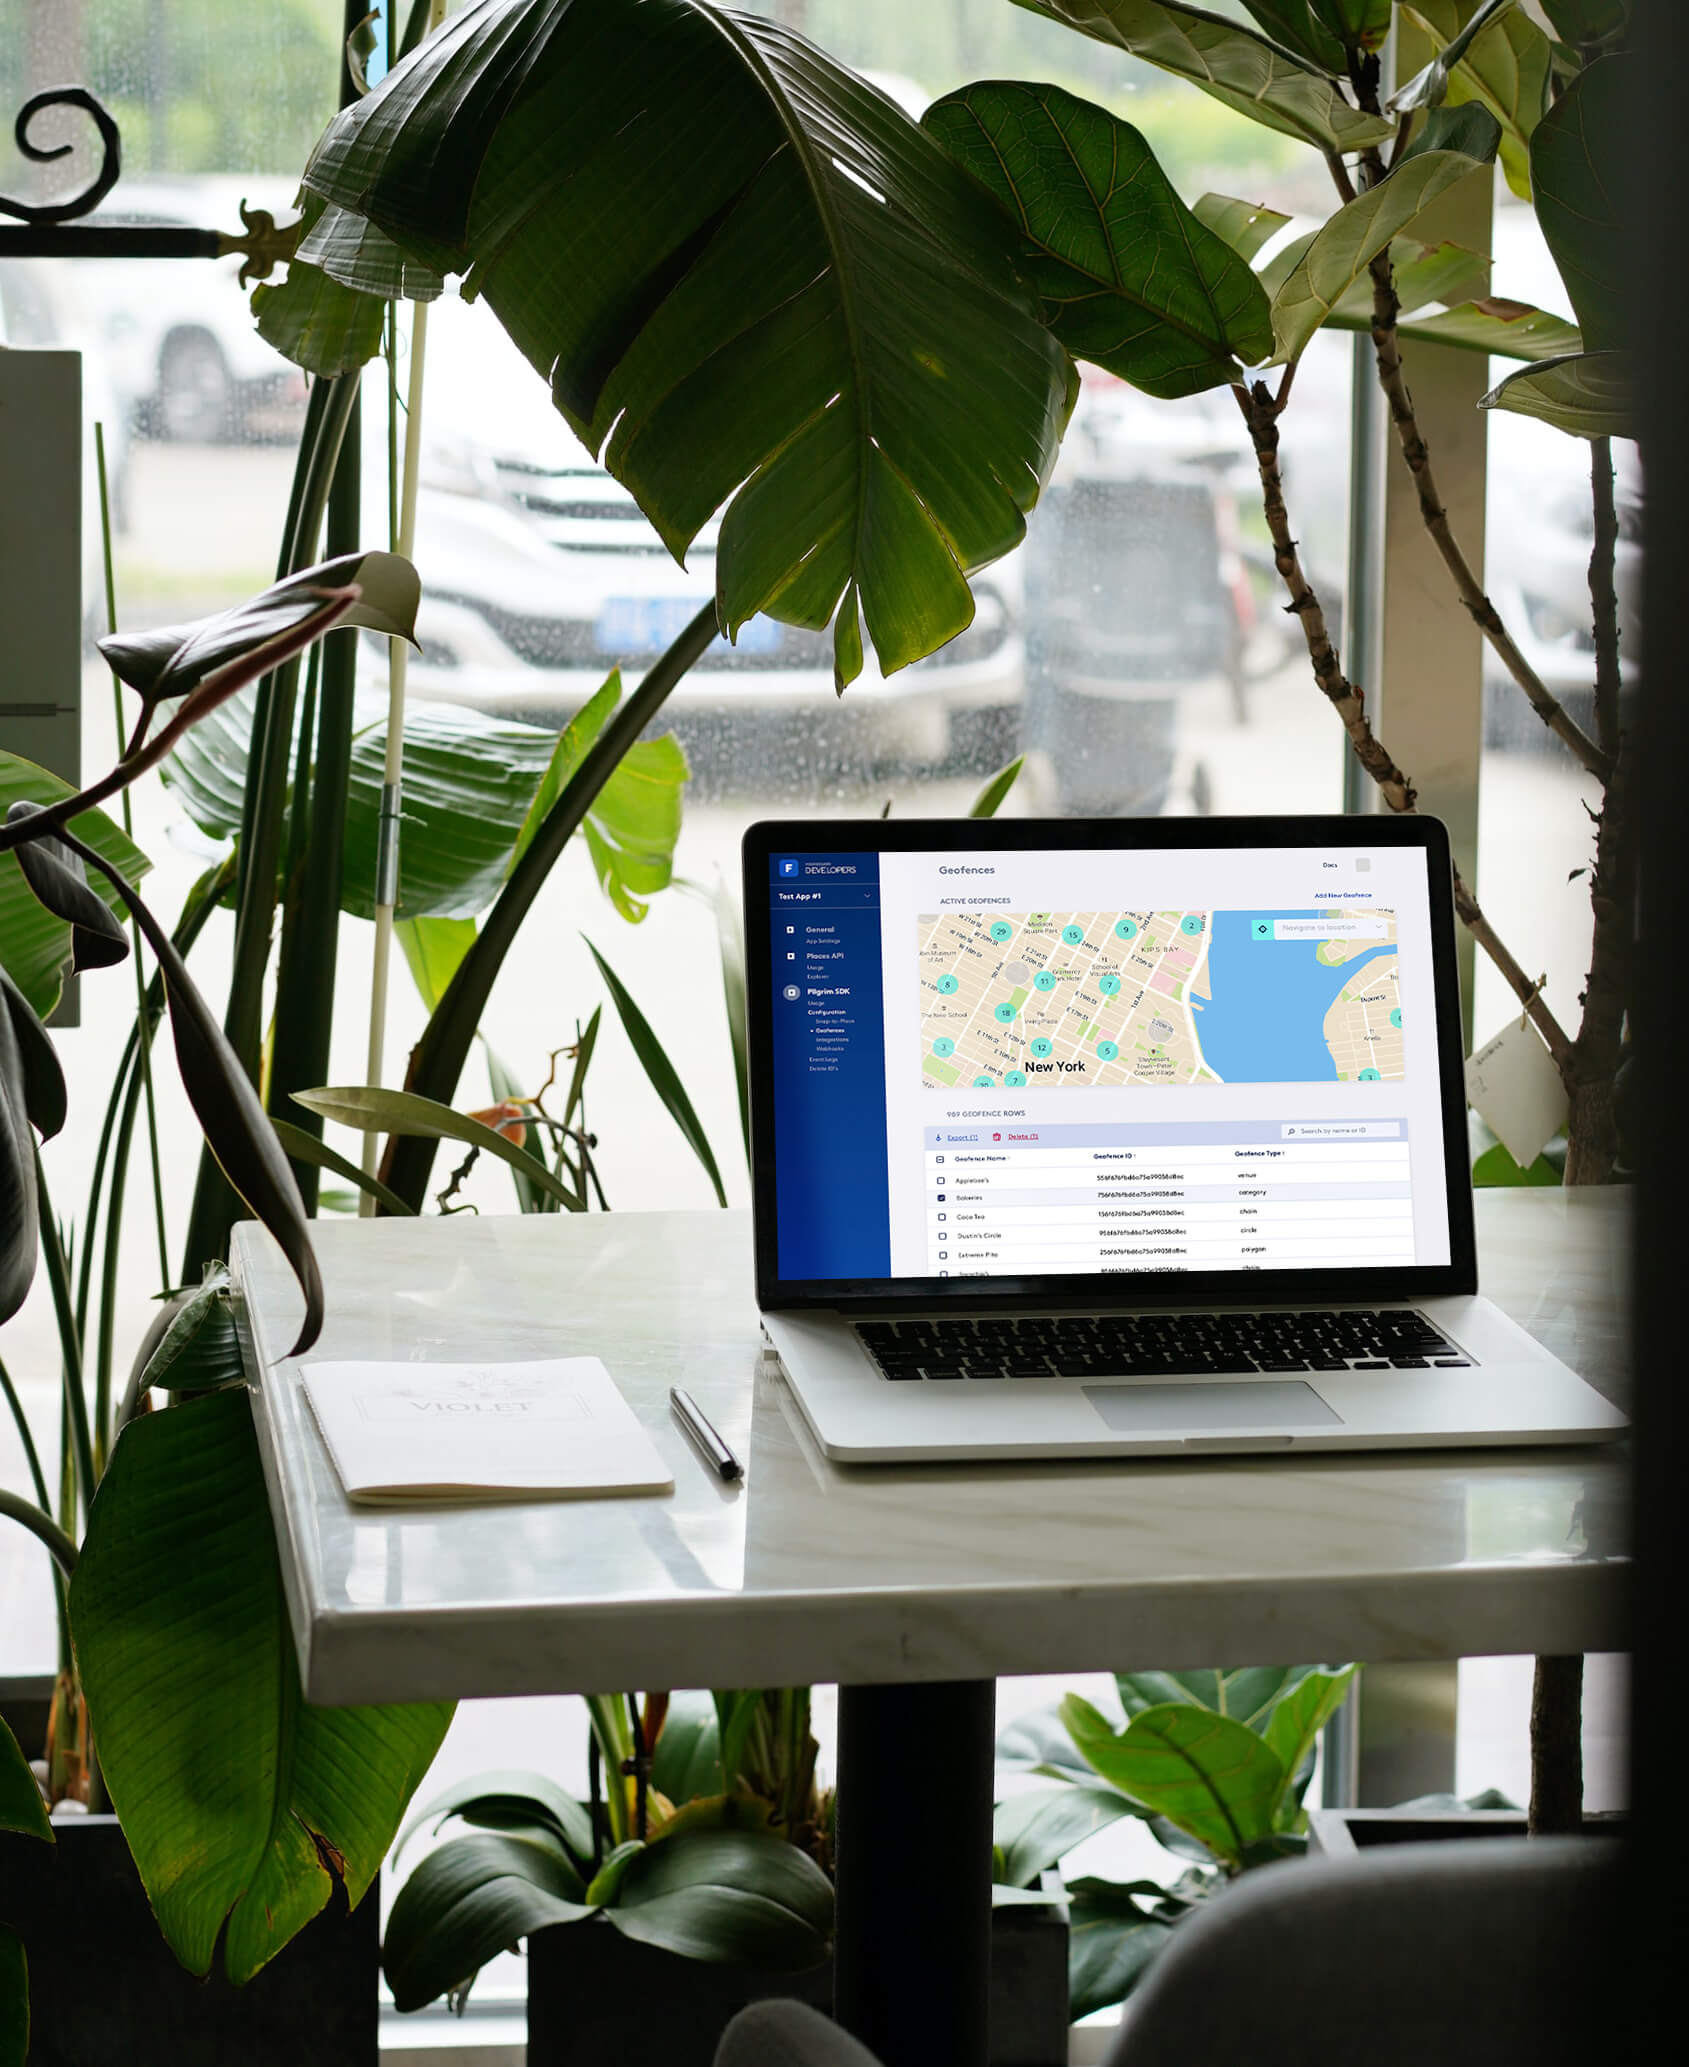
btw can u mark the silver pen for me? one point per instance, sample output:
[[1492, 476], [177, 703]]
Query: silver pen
[[697, 1426]]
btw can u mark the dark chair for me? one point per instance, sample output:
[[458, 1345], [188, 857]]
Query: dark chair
[[1490, 1952]]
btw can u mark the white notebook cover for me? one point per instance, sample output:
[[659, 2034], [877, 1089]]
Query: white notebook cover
[[403, 1432]]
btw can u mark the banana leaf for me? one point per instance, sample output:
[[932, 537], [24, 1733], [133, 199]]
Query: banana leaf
[[750, 280]]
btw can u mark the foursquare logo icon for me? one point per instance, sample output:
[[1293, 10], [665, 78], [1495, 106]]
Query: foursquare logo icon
[[788, 868]]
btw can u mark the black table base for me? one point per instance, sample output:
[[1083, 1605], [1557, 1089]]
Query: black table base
[[913, 1857]]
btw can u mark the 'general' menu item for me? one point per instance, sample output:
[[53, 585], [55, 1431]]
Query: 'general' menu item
[[405, 1432]]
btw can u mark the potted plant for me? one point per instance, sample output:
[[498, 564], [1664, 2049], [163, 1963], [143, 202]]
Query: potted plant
[[1215, 1762], [694, 1879], [176, 1700]]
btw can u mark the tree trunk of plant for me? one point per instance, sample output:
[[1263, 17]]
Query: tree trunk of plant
[[1557, 1747]]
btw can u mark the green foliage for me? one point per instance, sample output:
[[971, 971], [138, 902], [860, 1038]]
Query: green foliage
[[995, 789], [664, 1079], [722, 301], [1245, 225], [1216, 1762], [35, 946], [241, 1804], [370, 1109], [1490, 52], [1576, 152], [21, 1806], [1339, 253], [1585, 394], [1248, 72], [1496, 1168], [200, 1349], [1128, 277]]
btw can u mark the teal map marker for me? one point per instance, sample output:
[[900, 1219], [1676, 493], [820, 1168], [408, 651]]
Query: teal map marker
[[1001, 930], [1044, 980], [1108, 985], [1126, 930], [1107, 1050], [1073, 935], [1369, 1076], [1003, 1013], [1260, 929], [948, 986], [984, 1084], [943, 1046], [1396, 1016], [1192, 925], [1015, 1079], [1042, 1047]]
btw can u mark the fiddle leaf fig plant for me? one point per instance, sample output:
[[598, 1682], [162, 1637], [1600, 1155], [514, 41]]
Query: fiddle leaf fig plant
[[1215, 1762]]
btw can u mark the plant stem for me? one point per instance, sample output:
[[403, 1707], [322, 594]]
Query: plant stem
[[44, 1501], [1260, 414], [1603, 594], [41, 1525], [128, 827], [437, 1060], [1386, 311], [58, 1279]]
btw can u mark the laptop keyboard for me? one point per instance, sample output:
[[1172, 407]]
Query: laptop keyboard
[[1154, 1345]]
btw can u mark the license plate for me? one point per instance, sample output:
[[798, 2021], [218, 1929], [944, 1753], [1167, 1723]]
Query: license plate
[[651, 624]]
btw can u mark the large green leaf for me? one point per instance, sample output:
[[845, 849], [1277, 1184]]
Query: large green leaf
[[1113, 1935], [467, 1901], [513, 1800], [21, 1806], [1245, 225], [1032, 1831], [1251, 73], [1363, 24], [1247, 1693], [200, 1349], [1039, 1743], [470, 783], [1504, 67], [315, 319], [1497, 327], [1354, 236], [1127, 276], [1296, 1721], [1421, 274], [686, 1764], [634, 822], [728, 1896], [432, 949], [746, 274], [241, 1804], [1210, 1776], [1578, 156], [1296, 26], [370, 1109], [1587, 394], [35, 946]]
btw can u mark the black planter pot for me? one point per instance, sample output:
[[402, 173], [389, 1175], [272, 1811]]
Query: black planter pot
[[105, 1988], [596, 1997], [1341, 1833]]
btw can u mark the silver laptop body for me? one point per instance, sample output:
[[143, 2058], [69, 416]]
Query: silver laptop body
[[1123, 1137]]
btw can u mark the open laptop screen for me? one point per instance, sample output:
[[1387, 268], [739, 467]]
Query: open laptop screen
[[1218, 1054]]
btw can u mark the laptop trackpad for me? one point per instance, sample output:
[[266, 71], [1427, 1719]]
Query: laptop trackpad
[[1225, 1405]]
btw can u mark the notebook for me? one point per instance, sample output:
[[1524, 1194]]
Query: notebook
[[401, 1432]]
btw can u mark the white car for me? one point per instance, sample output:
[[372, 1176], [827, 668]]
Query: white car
[[540, 575], [184, 354]]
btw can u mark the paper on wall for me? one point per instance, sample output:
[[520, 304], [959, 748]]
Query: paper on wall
[[1515, 1089]]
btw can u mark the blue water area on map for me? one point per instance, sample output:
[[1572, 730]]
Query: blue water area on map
[[1265, 1022]]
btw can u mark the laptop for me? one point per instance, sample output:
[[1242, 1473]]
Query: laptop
[[1077, 1138]]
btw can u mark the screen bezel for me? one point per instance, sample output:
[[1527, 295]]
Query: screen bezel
[[1114, 1288]]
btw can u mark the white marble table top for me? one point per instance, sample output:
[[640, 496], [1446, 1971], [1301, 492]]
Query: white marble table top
[[808, 1571]]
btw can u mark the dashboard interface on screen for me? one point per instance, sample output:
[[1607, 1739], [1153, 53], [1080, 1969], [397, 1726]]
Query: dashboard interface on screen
[[1022, 1064]]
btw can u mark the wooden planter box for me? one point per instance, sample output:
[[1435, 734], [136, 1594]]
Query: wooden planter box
[[595, 1997], [104, 1986], [1341, 1833]]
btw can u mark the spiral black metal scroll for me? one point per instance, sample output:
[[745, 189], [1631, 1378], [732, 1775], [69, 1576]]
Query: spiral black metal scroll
[[111, 160]]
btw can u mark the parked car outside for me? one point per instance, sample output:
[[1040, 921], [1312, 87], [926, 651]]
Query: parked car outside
[[540, 574], [185, 356]]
